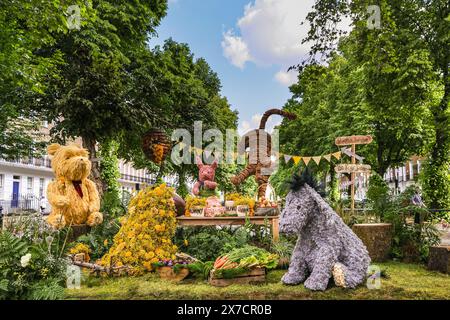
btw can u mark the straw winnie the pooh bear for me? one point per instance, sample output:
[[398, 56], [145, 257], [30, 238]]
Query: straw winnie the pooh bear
[[73, 197]]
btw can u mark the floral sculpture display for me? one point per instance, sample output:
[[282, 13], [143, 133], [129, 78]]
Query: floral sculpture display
[[206, 176], [259, 145], [146, 235], [326, 247], [74, 198]]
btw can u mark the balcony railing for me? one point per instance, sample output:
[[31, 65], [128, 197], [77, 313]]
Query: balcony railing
[[37, 162], [127, 177]]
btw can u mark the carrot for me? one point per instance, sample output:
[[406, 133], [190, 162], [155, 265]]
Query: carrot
[[220, 262]]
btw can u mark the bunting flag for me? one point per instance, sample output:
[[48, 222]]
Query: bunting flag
[[287, 158], [317, 159], [337, 155], [306, 160]]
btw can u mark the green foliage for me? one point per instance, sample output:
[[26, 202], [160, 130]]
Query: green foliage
[[29, 270], [100, 238], [50, 289], [283, 248], [378, 195], [414, 230], [109, 167], [201, 269], [403, 86], [435, 182], [207, 243]]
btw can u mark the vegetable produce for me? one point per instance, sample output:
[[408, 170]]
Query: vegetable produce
[[243, 259]]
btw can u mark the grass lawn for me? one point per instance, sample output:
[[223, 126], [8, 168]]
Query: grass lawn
[[406, 281]]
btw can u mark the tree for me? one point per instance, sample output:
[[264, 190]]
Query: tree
[[26, 26], [181, 90], [89, 97], [411, 29]]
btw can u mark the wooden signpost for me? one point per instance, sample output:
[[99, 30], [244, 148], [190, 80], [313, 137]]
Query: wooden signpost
[[353, 168]]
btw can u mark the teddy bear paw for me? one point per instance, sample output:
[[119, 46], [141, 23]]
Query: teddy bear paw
[[95, 219], [57, 221], [62, 202]]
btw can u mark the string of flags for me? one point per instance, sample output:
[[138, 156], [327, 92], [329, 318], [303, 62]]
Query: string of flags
[[296, 159]]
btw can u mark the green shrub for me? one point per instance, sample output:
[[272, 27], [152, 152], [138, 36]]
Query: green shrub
[[435, 182], [411, 240], [207, 243], [378, 195], [30, 270], [100, 238]]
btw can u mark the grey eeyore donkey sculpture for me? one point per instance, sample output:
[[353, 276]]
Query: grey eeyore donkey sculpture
[[326, 246]]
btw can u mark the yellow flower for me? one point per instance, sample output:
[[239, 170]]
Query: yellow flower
[[186, 243]]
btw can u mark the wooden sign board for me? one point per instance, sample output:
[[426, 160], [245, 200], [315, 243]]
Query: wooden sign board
[[353, 168], [345, 141]]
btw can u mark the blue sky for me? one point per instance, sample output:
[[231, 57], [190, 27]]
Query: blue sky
[[249, 43]]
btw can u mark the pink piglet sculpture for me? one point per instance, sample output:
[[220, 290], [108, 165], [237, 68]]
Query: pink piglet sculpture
[[206, 176]]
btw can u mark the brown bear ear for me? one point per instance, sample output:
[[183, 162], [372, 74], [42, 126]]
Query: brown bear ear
[[51, 149]]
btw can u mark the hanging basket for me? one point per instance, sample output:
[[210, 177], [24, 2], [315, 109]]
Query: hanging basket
[[156, 145]]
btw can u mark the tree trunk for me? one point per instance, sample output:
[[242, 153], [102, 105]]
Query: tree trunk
[[89, 144]]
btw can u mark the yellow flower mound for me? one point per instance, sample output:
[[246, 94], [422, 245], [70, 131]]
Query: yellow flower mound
[[146, 235], [81, 248]]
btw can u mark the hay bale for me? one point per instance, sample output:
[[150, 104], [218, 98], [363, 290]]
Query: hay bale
[[439, 259], [377, 237]]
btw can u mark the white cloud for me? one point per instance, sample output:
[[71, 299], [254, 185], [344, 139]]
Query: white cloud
[[270, 34], [235, 49], [286, 78], [273, 32]]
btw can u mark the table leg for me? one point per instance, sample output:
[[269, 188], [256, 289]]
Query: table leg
[[275, 229]]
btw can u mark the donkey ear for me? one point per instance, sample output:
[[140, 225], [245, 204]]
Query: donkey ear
[[51, 149], [198, 161]]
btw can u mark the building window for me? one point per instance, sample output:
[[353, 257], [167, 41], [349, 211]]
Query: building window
[[30, 185], [2, 180], [41, 187]]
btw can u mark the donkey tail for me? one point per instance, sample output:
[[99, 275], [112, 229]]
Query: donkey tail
[[267, 114]]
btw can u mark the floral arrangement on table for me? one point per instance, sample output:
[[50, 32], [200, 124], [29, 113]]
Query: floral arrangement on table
[[194, 202], [240, 200], [242, 260], [146, 235]]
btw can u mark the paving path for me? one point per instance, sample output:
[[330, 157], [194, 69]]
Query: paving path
[[445, 231]]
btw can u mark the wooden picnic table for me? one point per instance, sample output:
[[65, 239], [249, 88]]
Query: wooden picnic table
[[232, 221]]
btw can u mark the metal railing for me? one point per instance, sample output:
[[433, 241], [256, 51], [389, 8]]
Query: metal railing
[[30, 204], [137, 179], [38, 162]]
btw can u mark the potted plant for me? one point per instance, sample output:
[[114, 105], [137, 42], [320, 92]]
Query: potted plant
[[377, 236], [173, 270]]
